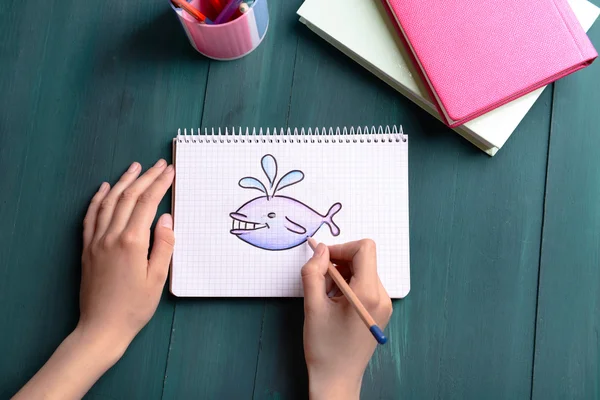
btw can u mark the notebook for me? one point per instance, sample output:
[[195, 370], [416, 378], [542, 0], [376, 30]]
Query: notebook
[[245, 201], [375, 44], [477, 55]]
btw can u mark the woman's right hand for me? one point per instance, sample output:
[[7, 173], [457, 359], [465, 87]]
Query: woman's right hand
[[337, 344]]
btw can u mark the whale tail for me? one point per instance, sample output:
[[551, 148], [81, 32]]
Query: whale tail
[[335, 230]]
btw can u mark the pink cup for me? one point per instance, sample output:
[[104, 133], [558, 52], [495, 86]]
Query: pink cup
[[228, 41]]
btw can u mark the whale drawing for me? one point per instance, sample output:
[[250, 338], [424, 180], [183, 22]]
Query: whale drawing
[[275, 222]]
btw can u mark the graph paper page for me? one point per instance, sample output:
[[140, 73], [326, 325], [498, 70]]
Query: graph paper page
[[235, 240]]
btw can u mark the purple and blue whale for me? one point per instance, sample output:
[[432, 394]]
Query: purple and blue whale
[[275, 222]]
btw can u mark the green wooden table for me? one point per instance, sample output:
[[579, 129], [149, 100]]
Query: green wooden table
[[505, 251]]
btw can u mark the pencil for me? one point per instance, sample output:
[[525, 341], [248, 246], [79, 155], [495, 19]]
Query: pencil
[[352, 298], [216, 4], [192, 11], [228, 11]]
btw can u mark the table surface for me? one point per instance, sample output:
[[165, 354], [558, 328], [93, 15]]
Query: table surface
[[505, 299]]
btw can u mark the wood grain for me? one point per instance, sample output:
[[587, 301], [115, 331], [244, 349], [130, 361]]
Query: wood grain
[[567, 353], [216, 343], [86, 90], [90, 89], [466, 328]]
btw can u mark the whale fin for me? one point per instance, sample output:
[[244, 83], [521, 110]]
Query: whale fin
[[328, 219], [294, 227]]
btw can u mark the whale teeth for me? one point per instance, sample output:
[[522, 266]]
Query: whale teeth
[[246, 226]]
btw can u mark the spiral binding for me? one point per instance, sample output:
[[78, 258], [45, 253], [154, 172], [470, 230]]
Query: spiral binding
[[288, 135]]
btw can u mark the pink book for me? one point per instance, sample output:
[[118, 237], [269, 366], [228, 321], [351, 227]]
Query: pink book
[[477, 55]]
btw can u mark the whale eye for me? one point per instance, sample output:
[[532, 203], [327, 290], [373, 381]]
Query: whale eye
[[271, 215]]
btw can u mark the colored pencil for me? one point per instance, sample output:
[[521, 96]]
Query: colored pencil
[[192, 11], [216, 4], [245, 6], [228, 11], [352, 298]]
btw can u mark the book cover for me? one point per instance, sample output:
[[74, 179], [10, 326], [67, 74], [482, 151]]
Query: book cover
[[478, 55]]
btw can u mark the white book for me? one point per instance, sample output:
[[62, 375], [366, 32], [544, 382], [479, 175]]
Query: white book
[[245, 205], [374, 43]]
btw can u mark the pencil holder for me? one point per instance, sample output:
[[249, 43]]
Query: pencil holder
[[229, 40]]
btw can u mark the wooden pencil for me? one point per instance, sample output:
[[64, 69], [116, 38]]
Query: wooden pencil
[[352, 298], [191, 10], [216, 4]]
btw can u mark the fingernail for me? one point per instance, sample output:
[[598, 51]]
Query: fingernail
[[133, 167], [103, 187], [166, 220], [169, 169], [160, 163]]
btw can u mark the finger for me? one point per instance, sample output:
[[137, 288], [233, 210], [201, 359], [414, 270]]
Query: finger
[[130, 196], [107, 206], [162, 250], [330, 285], [363, 256], [145, 209], [386, 307], [313, 279], [89, 222]]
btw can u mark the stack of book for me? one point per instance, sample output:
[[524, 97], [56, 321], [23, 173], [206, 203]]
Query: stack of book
[[477, 66]]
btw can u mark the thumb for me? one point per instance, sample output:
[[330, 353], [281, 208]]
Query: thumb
[[313, 278], [162, 249]]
